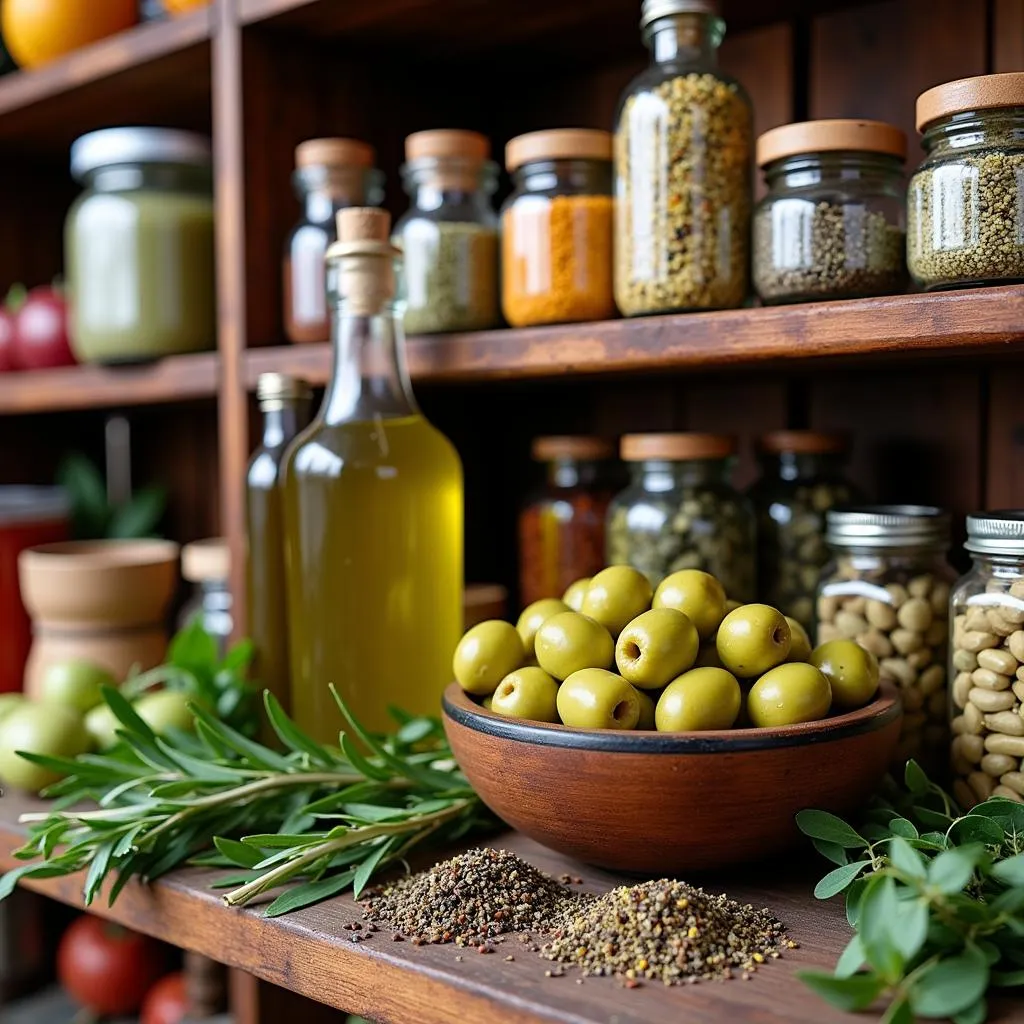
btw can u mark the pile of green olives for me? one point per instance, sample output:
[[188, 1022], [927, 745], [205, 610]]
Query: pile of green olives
[[615, 653]]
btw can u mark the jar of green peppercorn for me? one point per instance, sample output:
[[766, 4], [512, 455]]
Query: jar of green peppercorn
[[681, 511], [801, 479]]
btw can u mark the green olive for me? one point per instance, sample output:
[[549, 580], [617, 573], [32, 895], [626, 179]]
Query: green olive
[[487, 701], [799, 642], [534, 616], [486, 654], [616, 596], [698, 595], [789, 694], [569, 641], [707, 656], [527, 693], [594, 698], [647, 704], [102, 724], [752, 639], [851, 671], [701, 699], [655, 647], [164, 710], [49, 729], [76, 684], [576, 592]]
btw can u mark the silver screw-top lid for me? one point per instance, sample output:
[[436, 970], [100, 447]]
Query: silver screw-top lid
[[275, 389], [110, 146], [888, 526], [996, 533], [652, 10]]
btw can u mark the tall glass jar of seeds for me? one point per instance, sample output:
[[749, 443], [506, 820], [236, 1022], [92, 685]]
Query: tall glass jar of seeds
[[680, 511], [801, 479], [832, 225], [987, 662], [682, 170], [450, 234], [965, 206], [887, 587]]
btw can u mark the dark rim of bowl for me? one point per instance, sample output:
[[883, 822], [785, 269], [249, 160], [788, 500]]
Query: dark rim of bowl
[[854, 723]]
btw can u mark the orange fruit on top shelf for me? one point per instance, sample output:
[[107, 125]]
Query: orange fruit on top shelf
[[181, 6], [38, 31]]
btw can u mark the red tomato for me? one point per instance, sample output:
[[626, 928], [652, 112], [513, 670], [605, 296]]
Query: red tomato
[[6, 340], [166, 1002], [107, 968], [41, 331]]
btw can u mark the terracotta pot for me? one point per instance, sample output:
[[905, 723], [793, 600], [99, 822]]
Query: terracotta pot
[[103, 601]]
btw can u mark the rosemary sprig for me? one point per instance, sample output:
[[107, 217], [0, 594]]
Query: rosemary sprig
[[325, 818]]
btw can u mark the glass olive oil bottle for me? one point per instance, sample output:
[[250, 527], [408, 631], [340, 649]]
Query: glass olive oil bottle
[[284, 402], [373, 513]]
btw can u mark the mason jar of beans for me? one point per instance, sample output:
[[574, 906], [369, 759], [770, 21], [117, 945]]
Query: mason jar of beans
[[801, 479], [887, 587], [561, 529], [681, 511], [987, 662]]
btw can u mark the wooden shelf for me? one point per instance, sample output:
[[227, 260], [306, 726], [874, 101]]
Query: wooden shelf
[[172, 379], [983, 320]]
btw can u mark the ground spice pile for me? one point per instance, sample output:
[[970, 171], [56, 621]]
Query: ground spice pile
[[666, 931], [471, 898]]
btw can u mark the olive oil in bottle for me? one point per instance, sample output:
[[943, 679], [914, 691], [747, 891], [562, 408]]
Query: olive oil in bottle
[[284, 402], [373, 513]]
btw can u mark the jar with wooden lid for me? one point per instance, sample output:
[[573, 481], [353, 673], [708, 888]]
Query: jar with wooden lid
[[207, 565], [832, 225], [683, 146], [330, 175], [681, 511], [801, 479], [561, 529], [557, 228], [449, 235], [965, 206]]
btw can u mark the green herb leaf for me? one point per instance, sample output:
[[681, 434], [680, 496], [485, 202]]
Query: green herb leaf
[[831, 851], [836, 881], [238, 853], [854, 993], [822, 825], [906, 859], [903, 827], [953, 869], [898, 1012], [976, 828], [915, 779], [1007, 979], [977, 1013], [878, 926], [140, 516], [312, 892], [291, 735], [1008, 814], [1010, 871], [951, 985], [851, 960], [367, 867]]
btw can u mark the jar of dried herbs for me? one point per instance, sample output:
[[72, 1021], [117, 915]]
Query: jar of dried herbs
[[680, 511], [832, 225], [450, 233], [557, 228], [682, 170], [965, 206]]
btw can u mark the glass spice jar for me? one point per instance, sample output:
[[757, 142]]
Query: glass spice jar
[[801, 479], [680, 511], [987, 662], [561, 530], [207, 564], [682, 170], [965, 205], [832, 225], [449, 236], [557, 228], [330, 175], [887, 587]]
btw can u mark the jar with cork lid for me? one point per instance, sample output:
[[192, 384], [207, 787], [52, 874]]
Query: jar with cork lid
[[557, 228], [330, 175], [449, 235]]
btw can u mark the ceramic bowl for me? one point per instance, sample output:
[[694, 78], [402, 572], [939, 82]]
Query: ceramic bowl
[[651, 803]]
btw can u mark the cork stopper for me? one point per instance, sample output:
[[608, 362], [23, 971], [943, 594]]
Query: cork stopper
[[334, 153], [363, 224], [835, 135], [985, 92], [365, 258], [676, 447]]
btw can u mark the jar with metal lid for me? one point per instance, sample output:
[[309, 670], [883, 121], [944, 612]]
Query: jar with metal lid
[[557, 228], [987, 662], [801, 479], [139, 245], [449, 236], [832, 225], [207, 564], [330, 175], [682, 169], [561, 529], [887, 587], [681, 511], [965, 205]]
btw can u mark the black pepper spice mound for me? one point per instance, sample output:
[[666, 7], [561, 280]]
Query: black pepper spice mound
[[471, 898], [666, 931]]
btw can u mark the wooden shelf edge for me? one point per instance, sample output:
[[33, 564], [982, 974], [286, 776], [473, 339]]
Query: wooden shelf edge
[[171, 379], [984, 319]]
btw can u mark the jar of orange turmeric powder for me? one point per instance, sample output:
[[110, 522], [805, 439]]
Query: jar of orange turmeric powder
[[557, 228]]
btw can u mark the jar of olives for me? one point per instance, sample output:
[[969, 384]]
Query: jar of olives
[[801, 479], [887, 587], [561, 530], [987, 662], [680, 511]]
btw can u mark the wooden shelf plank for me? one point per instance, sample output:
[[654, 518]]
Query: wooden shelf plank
[[172, 379], [983, 320]]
